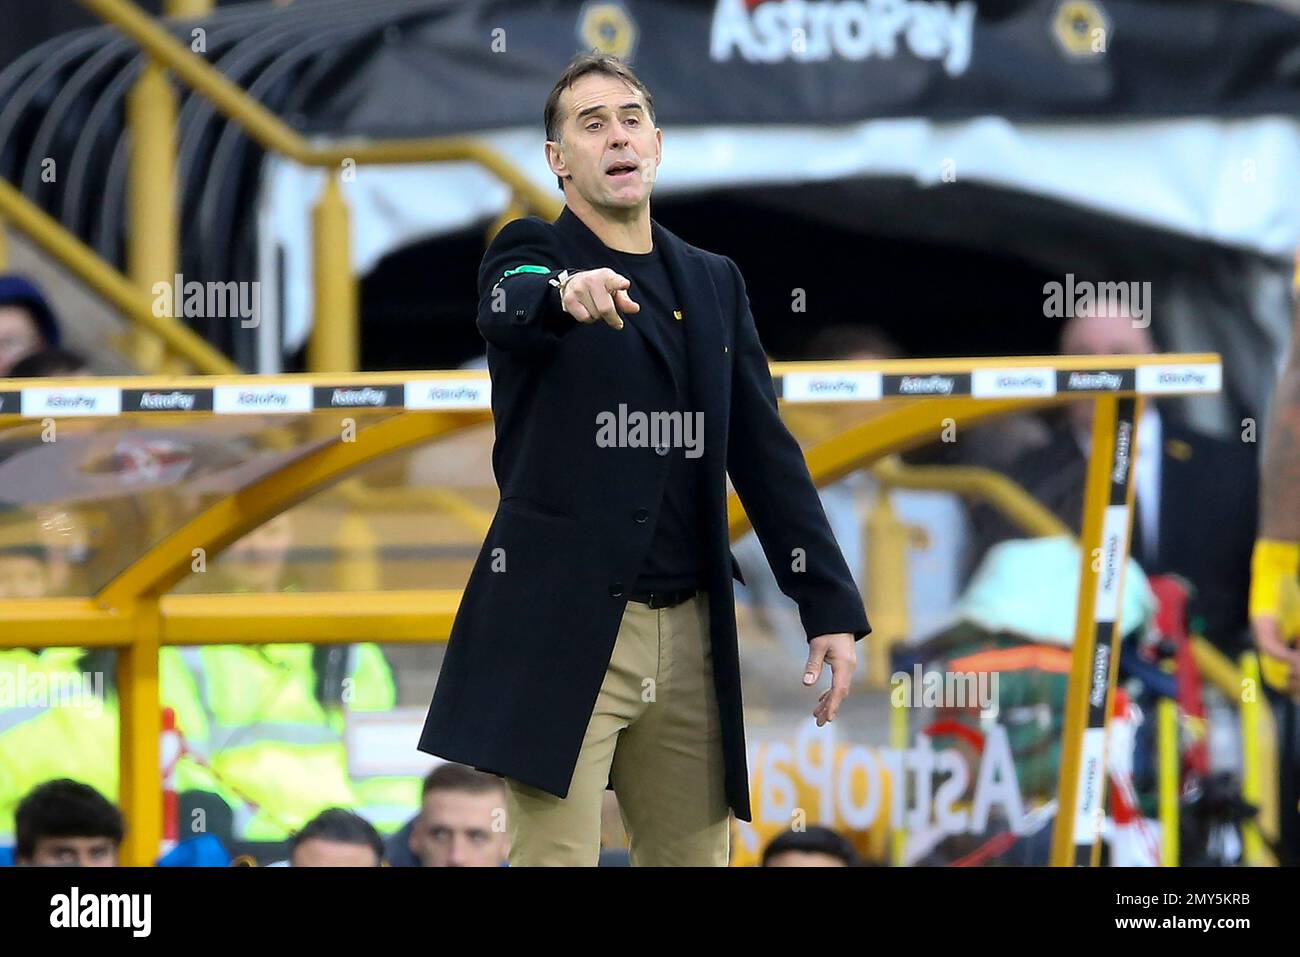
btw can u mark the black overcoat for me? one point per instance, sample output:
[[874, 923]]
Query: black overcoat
[[541, 610]]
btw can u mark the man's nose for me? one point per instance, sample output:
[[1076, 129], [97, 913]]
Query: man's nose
[[459, 845]]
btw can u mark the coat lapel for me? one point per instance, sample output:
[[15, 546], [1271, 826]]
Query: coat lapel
[[707, 345]]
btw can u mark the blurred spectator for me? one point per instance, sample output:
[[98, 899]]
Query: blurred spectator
[[336, 838], [1184, 522], [23, 572], [852, 342], [272, 718], [67, 823], [27, 322], [461, 822], [813, 847], [49, 362]]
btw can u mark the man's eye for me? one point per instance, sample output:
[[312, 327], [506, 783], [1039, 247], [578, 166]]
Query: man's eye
[[633, 120], [592, 127]]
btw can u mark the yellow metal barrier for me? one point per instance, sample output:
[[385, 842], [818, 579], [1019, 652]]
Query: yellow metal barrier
[[974, 484], [180, 9], [1076, 830], [888, 541], [132, 611], [1169, 776], [153, 242], [1259, 783], [133, 302], [334, 332]]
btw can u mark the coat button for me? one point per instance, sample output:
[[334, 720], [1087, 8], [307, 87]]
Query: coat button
[[661, 450], [641, 515], [616, 590]]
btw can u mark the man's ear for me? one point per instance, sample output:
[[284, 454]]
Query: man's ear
[[555, 159], [411, 839]]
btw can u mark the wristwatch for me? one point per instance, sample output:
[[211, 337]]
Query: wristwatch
[[561, 280]]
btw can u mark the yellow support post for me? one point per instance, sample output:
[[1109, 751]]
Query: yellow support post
[[358, 569], [140, 735], [186, 9], [887, 585], [1251, 776], [153, 240], [898, 734], [1081, 791], [107, 282], [335, 340], [1170, 776]]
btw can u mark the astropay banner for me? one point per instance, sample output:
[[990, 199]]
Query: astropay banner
[[454, 68]]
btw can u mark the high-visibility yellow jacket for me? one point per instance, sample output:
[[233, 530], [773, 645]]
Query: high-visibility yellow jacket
[[256, 732]]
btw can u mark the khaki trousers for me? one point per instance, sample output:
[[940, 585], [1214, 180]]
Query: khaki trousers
[[654, 733]]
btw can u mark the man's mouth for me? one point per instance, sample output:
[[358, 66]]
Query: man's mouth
[[623, 168]]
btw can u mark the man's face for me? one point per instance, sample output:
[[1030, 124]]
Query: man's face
[[458, 829], [73, 852], [1112, 334], [19, 337], [258, 560], [805, 859], [608, 146], [22, 576], [320, 852]]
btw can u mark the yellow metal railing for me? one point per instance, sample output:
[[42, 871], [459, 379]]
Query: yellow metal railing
[[889, 540], [128, 298], [335, 343], [153, 243], [135, 613]]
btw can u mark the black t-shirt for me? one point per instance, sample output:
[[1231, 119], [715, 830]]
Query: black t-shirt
[[674, 557]]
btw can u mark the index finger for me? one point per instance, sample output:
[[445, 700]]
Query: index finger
[[608, 311]]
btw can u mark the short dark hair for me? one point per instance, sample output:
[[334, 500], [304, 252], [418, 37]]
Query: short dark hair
[[64, 808], [48, 362], [814, 840], [341, 826], [580, 66], [458, 777], [838, 341]]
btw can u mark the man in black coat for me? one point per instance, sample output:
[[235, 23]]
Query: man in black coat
[[595, 643]]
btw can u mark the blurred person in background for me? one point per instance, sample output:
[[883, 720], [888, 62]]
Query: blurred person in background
[[65, 823], [49, 363], [1195, 495], [271, 717], [812, 847], [27, 323], [1275, 567], [56, 719], [336, 838], [23, 571], [461, 822]]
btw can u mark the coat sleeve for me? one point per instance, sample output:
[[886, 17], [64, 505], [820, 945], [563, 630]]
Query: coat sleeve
[[768, 470], [519, 310]]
